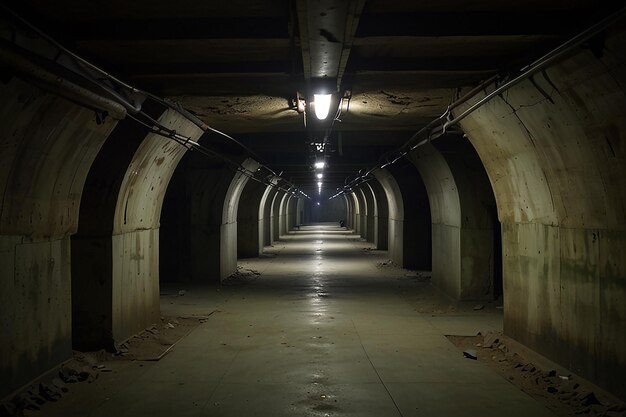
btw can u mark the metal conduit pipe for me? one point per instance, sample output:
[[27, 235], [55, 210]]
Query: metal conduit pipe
[[526, 72], [58, 85], [132, 107], [551, 57]]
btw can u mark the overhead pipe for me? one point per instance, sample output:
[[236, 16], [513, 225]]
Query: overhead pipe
[[58, 85], [526, 72], [126, 106]]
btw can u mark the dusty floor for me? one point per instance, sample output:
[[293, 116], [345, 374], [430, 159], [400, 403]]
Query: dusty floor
[[321, 325]]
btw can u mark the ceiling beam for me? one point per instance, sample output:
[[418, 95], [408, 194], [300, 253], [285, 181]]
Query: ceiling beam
[[552, 22]]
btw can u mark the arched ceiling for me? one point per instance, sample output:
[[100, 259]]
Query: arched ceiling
[[240, 64]]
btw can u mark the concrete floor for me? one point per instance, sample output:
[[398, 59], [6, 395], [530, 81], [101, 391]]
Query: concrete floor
[[322, 332]]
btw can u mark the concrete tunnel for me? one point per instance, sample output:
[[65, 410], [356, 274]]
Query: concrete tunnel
[[150, 149]]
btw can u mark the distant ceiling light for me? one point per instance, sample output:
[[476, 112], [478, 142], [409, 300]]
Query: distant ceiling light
[[320, 165], [319, 184], [322, 105], [318, 203], [319, 176]]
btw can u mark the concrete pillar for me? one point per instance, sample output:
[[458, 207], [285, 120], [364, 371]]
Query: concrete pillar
[[381, 215], [461, 206], [349, 211], [275, 215], [282, 215], [265, 217], [115, 254], [358, 192], [47, 146], [409, 215], [215, 190], [371, 217], [249, 222], [356, 213], [553, 148]]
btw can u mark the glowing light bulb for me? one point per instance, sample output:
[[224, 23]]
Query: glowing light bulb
[[322, 105], [320, 165], [319, 176]]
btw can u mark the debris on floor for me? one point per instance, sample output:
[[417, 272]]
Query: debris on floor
[[241, 276], [83, 367], [383, 264], [565, 395], [470, 354], [156, 341]]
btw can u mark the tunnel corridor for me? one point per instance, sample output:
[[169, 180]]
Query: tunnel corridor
[[154, 155], [322, 330]]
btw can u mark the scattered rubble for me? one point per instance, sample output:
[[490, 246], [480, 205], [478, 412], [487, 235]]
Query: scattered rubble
[[242, 276], [565, 395]]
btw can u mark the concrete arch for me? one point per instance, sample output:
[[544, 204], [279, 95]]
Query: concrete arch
[[381, 215], [275, 215], [115, 254], [265, 217], [460, 199], [250, 219], [555, 158], [214, 191], [292, 212], [356, 213], [371, 213], [349, 211], [47, 147], [409, 215], [396, 214], [282, 215], [362, 218]]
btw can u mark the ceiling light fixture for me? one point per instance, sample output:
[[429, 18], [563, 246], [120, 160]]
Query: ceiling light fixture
[[322, 105], [320, 176], [320, 165]]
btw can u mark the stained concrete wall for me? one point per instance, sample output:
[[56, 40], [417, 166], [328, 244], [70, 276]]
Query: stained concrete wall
[[395, 219], [371, 218], [47, 145], [409, 224], [275, 215], [555, 157], [282, 215], [349, 211], [250, 220], [265, 217], [356, 213], [214, 191], [115, 254], [292, 212], [381, 214], [460, 199], [362, 217]]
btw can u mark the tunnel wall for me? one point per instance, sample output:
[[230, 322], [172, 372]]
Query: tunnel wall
[[395, 219], [555, 156], [349, 211], [282, 214], [371, 217], [135, 248], [381, 214], [462, 234], [215, 190], [47, 145], [250, 220], [358, 193], [265, 218], [275, 215], [115, 259]]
